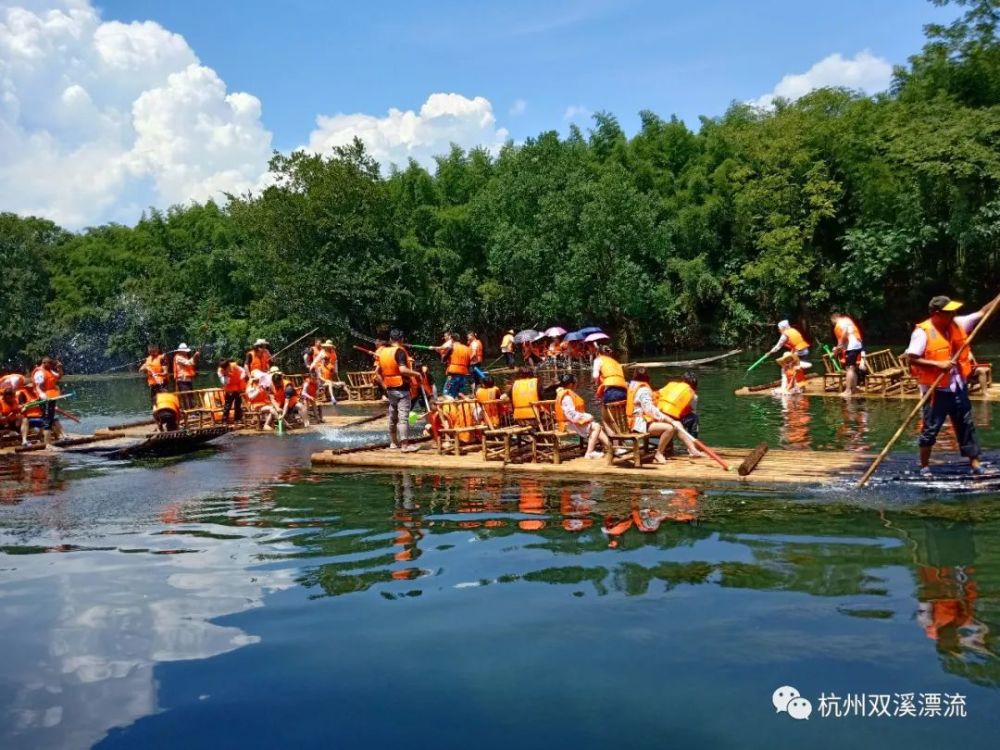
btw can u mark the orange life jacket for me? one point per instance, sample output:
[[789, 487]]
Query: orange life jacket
[[25, 396], [489, 394], [260, 361], [612, 375], [578, 404], [50, 381], [10, 408], [236, 379], [475, 352], [327, 368], [674, 399], [309, 388], [168, 400], [388, 367], [156, 370], [941, 349], [278, 392], [841, 328], [259, 399], [522, 393], [632, 398], [461, 357], [184, 371], [795, 342]]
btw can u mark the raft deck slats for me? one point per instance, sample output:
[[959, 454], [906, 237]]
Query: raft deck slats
[[778, 467]]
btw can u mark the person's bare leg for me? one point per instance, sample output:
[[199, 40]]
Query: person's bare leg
[[665, 434], [24, 431], [850, 381], [595, 435], [984, 381], [925, 455], [603, 437]]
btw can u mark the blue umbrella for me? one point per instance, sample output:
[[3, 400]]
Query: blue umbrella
[[575, 336], [589, 330]]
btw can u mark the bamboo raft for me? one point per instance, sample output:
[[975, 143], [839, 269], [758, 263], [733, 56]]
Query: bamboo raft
[[814, 387], [773, 468]]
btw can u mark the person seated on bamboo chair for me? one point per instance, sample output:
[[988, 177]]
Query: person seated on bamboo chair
[[647, 418], [571, 417]]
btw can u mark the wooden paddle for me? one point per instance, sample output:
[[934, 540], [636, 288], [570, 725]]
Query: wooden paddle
[[927, 394]]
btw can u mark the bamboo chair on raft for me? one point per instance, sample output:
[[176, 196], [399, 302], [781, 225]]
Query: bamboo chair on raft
[[463, 426], [547, 439], [618, 426], [361, 386], [502, 435], [884, 374]]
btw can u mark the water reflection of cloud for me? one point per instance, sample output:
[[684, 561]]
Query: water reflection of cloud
[[104, 622]]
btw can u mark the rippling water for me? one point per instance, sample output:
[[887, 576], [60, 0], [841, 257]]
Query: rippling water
[[237, 598]]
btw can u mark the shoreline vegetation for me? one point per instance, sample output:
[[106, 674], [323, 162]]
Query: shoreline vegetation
[[669, 239]]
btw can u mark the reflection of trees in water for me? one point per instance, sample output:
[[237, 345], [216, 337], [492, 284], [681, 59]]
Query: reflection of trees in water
[[823, 550]]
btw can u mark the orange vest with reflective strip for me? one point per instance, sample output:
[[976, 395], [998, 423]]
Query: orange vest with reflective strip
[[612, 374], [259, 399], [522, 393], [461, 356], [632, 397], [156, 370], [388, 368], [13, 407], [941, 349], [795, 342], [182, 371], [578, 404], [675, 399]]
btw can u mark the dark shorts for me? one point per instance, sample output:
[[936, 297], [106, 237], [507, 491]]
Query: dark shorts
[[36, 423], [454, 385], [955, 406], [851, 357], [185, 386], [803, 355], [614, 393]]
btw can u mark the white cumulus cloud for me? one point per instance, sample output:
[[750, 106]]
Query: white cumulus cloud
[[99, 120], [399, 136], [864, 72]]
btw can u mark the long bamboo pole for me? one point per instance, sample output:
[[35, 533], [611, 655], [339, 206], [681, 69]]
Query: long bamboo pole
[[927, 394], [285, 349]]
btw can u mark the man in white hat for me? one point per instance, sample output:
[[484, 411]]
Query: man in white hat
[[185, 367], [793, 341], [258, 359]]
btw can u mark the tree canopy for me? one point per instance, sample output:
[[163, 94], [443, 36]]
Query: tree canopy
[[670, 238]]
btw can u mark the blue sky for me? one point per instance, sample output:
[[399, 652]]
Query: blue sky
[[111, 107], [305, 58]]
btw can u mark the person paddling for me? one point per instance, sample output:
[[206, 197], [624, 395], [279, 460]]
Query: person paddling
[[394, 369], [46, 379], [155, 367], [647, 417], [793, 341], [258, 359], [852, 347], [933, 344], [475, 357], [185, 368]]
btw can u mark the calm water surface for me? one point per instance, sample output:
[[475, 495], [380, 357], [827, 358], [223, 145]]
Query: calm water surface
[[237, 598]]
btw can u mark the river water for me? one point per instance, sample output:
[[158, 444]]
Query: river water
[[238, 598]]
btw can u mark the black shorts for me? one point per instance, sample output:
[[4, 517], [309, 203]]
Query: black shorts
[[851, 357]]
